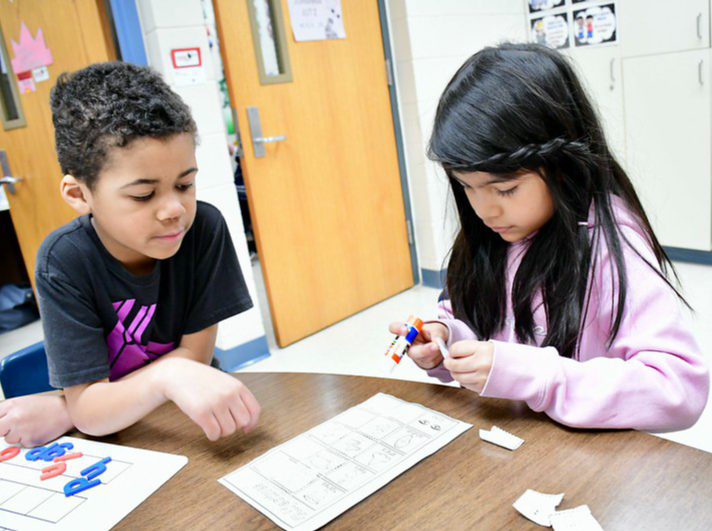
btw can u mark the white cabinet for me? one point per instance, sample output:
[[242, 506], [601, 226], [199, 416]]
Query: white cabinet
[[600, 70], [653, 91], [669, 138], [649, 27]]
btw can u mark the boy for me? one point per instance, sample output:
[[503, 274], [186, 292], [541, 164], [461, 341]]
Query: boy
[[131, 292]]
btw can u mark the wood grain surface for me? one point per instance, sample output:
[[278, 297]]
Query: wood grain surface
[[630, 480]]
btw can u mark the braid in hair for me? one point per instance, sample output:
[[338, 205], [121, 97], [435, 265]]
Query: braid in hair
[[528, 154]]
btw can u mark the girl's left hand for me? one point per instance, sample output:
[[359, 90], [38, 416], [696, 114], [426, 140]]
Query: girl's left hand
[[470, 363]]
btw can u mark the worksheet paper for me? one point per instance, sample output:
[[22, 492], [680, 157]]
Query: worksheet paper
[[132, 475], [311, 479]]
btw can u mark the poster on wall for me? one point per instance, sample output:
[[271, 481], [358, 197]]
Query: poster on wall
[[31, 58], [187, 66], [31, 52], [316, 20], [536, 6], [595, 25], [550, 30]]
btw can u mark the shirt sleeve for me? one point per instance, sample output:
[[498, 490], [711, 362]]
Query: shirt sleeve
[[73, 334], [220, 290], [652, 377]]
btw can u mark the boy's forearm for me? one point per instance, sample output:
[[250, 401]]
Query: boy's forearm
[[106, 407]]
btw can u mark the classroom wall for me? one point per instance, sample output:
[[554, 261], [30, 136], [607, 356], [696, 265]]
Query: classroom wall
[[431, 39], [167, 25]]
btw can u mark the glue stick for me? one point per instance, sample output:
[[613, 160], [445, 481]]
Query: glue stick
[[400, 345]]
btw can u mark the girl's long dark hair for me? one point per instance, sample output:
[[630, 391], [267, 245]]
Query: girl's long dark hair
[[515, 108]]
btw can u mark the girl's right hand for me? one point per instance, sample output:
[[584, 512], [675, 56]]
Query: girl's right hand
[[424, 351]]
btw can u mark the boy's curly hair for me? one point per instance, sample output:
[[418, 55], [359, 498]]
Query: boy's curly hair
[[109, 105]]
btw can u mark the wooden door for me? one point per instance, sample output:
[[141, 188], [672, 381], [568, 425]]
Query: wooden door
[[74, 31], [326, 203]]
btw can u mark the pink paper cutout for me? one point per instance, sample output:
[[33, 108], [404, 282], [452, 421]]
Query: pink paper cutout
[[30, 53]]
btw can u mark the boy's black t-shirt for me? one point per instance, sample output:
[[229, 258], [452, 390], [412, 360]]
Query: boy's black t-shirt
[[100, 321]]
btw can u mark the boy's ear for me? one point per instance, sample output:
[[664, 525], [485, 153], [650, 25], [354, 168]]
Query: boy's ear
[[75, 194]]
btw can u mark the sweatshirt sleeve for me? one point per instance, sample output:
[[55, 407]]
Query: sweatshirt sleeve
[[653, 376]]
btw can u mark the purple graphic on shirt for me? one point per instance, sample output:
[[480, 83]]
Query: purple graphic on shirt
[[126, 353]]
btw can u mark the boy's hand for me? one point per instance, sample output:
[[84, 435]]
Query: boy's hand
[[214, 400], [34, 420], [424, 352], [470, 363]]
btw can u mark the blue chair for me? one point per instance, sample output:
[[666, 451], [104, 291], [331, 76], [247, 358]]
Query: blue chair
[[25, 372]]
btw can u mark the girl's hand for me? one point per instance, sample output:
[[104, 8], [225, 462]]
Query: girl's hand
[[470, 363], [424, 352]]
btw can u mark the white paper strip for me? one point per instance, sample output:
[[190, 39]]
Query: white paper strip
[[537, 506], [578, 519], [501, 438], [443, 347]]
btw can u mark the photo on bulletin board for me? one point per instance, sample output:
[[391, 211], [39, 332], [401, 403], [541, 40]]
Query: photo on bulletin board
[[595, 25], [536, 6], [550, 30]]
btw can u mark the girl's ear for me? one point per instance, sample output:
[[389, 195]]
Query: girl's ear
[[75, 194]]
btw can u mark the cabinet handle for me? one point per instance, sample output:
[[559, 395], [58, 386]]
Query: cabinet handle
[[699, 26], [613, 78], [699, 73]]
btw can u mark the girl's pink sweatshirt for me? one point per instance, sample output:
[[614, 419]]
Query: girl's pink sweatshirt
[[653, 376]]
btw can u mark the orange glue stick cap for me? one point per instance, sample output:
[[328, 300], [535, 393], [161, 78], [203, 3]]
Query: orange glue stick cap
[[416, 323]]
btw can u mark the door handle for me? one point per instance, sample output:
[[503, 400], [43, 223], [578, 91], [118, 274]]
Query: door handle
[[7, 179], [268, 139], [10, 182], [259, 141]]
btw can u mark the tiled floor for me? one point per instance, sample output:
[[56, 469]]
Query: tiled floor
[[354, 345]]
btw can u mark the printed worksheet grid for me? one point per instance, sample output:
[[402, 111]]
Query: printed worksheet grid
[[341, 455], [48, 502]]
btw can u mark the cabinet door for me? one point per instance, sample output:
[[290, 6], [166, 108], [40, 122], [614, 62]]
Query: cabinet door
[[667, 118], [660, 26], [600, 71]]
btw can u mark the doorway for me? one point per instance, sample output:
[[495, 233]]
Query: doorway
[[320, 163]]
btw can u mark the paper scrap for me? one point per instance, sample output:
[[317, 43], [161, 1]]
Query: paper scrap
[[577, 519], [40, 74], [501, 438], [443, 347], [537, 506]]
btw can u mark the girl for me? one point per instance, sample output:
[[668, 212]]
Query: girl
[[557, 285]]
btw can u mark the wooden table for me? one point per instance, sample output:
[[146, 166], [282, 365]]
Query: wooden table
[[630, 480]]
